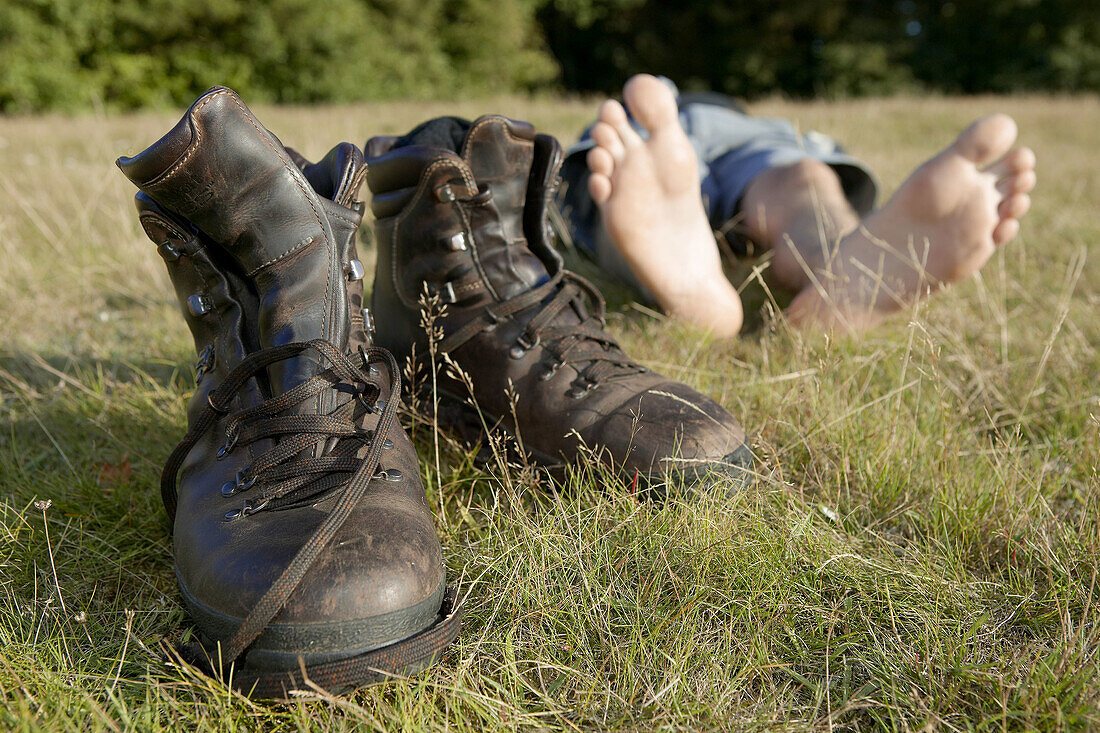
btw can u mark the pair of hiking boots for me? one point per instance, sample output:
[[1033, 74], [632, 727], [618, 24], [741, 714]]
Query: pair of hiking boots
[[305, 547]]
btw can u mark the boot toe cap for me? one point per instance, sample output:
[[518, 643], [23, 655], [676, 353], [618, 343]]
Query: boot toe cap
[[671, 433], [379, 580]]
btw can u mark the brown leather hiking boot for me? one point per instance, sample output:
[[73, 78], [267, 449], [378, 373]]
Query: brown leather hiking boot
[[461, 214], [303, 538]]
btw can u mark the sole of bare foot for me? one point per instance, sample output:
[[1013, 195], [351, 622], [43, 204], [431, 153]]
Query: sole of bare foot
[[940, 227], [648, 193]]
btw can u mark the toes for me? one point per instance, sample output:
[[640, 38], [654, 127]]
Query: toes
[[986, 139], [613, 114], [599, 188], [1020, 183], [600, 162], [1005, 231], [1018, 161], [651, 102], [1025, 182], [607, 137], [1014, 206]]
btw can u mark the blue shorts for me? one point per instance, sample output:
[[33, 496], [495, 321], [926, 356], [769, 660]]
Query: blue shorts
[[733, 148]]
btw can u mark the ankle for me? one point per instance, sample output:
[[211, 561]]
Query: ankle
[[778, 199]]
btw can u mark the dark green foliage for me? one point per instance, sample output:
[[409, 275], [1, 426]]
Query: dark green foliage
[[72, 54], [1002, 45], [68, 54], [833, 47]]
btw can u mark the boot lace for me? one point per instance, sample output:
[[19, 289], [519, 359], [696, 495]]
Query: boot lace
[[585, 344], [286, 474]]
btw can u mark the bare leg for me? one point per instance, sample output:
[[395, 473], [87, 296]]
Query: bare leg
[[798, 211], [942, 225]]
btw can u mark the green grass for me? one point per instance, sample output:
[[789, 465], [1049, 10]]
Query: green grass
[[921, 551]]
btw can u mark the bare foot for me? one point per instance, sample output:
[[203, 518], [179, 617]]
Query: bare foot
[[648, 193], [943, 223]]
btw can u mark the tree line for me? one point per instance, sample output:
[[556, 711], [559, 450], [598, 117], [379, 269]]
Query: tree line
[[123, 54]]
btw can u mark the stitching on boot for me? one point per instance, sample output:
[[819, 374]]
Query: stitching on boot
[[292, 170], [483, 123], [465, 149], [421, 188], [357, 181], [199, 265], [465, 216], [341, 217], [304, 243], [174, 168]]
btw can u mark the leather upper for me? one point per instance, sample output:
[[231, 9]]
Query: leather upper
[[220, 169], [468, 227], [265, 240]]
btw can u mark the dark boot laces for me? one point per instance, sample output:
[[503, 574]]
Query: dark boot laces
[[586, 344], [286, 474]]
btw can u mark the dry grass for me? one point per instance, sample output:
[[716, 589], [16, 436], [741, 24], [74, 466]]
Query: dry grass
[[921, 552]]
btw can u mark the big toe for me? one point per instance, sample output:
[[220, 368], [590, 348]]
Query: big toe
[[987, 139], [650, 101]]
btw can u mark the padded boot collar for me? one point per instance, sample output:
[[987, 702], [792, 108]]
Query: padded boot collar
[[220, 169], [495, 181], [336, 177]]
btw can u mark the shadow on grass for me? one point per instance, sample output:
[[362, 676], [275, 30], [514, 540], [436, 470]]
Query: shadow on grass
[[43, 371], [87, 550]]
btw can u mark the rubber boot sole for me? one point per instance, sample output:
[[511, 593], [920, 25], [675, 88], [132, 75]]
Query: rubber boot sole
[[272, 669], [733, 471]]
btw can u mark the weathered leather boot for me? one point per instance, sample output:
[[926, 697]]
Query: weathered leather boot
[[303, 538], [461, 214]]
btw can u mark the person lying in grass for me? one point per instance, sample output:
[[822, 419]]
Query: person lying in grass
[[651, 189]]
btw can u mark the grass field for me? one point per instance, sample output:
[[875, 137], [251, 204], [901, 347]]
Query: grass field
[[920, 552]]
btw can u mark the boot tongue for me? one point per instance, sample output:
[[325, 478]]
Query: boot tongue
[[335, 179], [499, 153], [334, 176]]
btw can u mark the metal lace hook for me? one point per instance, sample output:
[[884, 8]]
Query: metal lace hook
[[522, 345]]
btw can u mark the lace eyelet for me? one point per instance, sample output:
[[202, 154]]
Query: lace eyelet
[[372, 369], [446, 292], [244, 485], [169, 251], [230, 444], [389, 474], [247, 509], [368, 395], [216, 408], [494, 321], [578, 392], [355, 271], [199, 305], [551, 371], [238, 484], [457, 243], [522, 346]]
